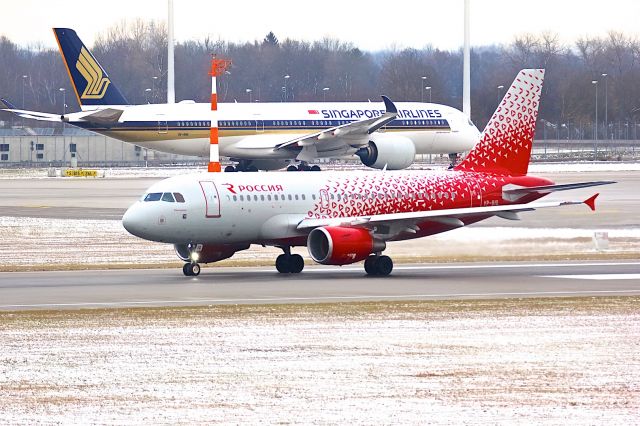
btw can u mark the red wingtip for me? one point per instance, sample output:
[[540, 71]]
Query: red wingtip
[[591, 201]]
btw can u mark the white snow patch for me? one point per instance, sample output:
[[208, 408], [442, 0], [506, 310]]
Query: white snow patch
[[467, 363]]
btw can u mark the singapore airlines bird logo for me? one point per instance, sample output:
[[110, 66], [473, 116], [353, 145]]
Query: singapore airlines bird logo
[[90, 70]]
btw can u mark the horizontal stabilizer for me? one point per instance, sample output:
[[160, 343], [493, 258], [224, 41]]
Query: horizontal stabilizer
[[34, 115], [104, 116], [516, 193]]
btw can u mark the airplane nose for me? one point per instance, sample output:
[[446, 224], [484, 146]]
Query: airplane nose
[[133, 221]]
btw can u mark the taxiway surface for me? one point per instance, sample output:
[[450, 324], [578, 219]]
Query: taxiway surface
[[123, 288]]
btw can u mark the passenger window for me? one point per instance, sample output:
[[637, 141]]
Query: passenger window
[[154, 196], [255, 198], [235, 198], [262, 198], [168, 197], [303, 197], [313, 196], [289, 197], [296, 197], [268, 197], [178, 196], [242, 198]]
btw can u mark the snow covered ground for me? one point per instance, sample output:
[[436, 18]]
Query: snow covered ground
[[546, 361], [44, 243]]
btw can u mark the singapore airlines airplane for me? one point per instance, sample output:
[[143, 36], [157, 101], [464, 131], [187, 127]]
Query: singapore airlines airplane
[[264, 136], [348, 217]]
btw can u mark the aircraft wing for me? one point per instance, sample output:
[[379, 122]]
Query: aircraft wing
[[353, 134], [407, 222]]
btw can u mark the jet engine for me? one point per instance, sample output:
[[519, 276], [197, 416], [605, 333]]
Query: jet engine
[[207, 253], [341, 246], [396, 152]]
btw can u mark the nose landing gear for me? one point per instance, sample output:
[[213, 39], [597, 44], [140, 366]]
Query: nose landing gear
[[191, 269]]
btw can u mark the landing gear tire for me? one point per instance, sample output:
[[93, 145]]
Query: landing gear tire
[[191, 269], [369, 265], [315, 168], [229, 169], [292, 169], [296, 263], [282, 264], [380, 266], [286, 264]]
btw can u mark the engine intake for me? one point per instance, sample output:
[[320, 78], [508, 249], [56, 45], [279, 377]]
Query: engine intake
[[341, 246], [396, 152], [208, 253]]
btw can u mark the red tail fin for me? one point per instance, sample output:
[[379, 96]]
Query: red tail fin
[[505, 144]]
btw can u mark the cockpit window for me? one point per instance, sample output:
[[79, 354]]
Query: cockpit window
[[167, 196], [179, 197], [153, 196]]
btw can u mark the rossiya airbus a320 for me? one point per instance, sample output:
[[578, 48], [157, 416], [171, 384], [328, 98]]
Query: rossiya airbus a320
[[348, 217]]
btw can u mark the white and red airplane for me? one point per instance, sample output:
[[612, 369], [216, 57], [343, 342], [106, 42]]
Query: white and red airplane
[[348, 217]]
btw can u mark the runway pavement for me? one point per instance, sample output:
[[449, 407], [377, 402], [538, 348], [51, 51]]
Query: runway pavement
[[126, 288]]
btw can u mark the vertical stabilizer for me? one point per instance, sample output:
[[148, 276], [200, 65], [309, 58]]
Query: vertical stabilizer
[[505, 144], [90, 81]]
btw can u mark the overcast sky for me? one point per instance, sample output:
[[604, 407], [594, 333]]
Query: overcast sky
[[369, 25]]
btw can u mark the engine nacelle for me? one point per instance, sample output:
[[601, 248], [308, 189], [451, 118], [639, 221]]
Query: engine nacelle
[[396, 152], [341, 246], [207, 253]]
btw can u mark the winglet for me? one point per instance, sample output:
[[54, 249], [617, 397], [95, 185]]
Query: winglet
[[591, 202], [389, 106], [6, 104]]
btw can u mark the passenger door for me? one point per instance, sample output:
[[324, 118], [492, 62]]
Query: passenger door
[[211, 199]]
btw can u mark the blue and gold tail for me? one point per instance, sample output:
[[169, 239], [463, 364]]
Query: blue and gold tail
[[90, 81]]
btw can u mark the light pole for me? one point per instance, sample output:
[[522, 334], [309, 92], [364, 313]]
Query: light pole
[[64, 109], [249, 93], [595, 140], [286, 77], [24, 82], [606, 101], [324, 93], [429, 89], [422, 83], [153, 88], [146, 93], [63, 113]]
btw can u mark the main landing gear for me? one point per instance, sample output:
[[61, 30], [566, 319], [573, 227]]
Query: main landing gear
[[242, 166], [303, 167], [380, 266], [191, 269], [453, 160], [288, 263]]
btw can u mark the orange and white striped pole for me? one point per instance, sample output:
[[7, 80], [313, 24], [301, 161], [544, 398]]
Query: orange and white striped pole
[[217, 68], [214, 150]]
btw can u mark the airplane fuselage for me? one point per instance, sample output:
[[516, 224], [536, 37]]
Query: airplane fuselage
[[266, 208], [252, 130]]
